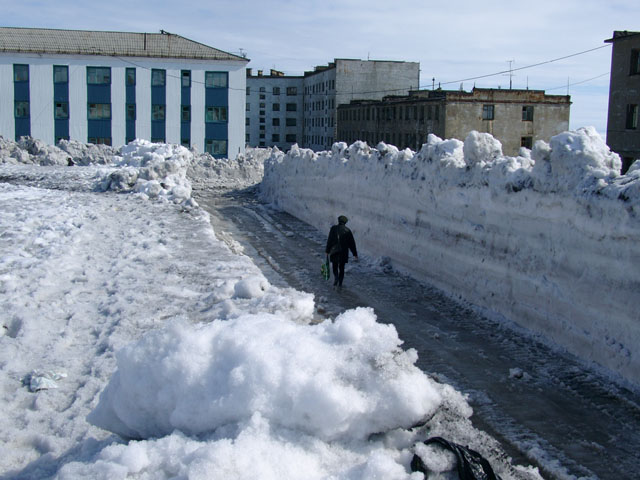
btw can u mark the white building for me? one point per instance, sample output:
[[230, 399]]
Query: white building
[[317, 96], [112, 87]]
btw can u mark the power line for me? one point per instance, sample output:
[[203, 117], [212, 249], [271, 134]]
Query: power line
[[580, 82]]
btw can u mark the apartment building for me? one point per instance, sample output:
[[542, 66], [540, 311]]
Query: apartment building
[[318, 94], [112, 87], [623, 134], [515, 117]]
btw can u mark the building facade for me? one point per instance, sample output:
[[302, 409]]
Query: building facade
[[515, 117], [274, 110], [113, 87], [318, 95], [623, 135]]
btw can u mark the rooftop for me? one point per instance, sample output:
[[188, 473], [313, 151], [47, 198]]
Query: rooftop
[[117, 44]]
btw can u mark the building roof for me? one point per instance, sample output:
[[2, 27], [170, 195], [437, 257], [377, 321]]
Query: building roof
[[620, 34], [118, 44]]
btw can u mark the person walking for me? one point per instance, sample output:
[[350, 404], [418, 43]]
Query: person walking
[[339, 243]]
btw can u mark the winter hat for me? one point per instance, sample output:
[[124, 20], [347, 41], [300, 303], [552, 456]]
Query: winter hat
[[342, 219]]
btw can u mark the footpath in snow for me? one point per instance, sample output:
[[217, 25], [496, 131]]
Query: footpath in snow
[[549, 239], [136, 345]]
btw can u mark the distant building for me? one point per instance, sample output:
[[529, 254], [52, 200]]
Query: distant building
[[623, 135], [113, 87], [515, 117], [318, 95], [274, 110]]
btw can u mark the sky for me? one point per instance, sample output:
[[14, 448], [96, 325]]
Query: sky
[[453, 41]]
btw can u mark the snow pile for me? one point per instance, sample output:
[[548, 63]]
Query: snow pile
[[245, 170], [154, 170], [337, 380], [32, 151], [530, 237]]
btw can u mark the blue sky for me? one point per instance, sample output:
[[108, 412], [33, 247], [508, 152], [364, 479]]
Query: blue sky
[[453, 40]]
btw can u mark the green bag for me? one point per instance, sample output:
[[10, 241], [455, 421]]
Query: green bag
[[324, 269]]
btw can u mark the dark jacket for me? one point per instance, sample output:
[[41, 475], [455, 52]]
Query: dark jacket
[[339, 243]]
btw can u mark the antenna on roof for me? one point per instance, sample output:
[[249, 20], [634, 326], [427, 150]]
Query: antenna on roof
[[511, 74]]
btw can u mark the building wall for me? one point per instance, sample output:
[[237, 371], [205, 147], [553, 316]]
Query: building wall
[[407, 121], [464, 113], [624, 90], [320, 89], [42, 105], [263, 137]]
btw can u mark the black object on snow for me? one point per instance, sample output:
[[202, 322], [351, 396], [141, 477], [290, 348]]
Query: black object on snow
[[471, 465]]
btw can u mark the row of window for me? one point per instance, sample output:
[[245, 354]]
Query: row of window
[[429, 112], [275, 137], [488, 113], [275, 107], [289, 121], [320, 105], [102, 76], [320, 87], [102, 111], [291, 91]]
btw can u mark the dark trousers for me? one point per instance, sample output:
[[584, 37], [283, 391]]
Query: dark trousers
[[338, 271]]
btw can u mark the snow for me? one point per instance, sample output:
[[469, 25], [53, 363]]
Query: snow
[[173, 355], [547, 239]]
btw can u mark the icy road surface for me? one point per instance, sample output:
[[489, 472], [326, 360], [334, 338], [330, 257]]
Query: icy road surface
[[545, 407]]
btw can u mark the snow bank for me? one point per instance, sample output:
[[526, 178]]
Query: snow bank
[[548, 239], [337, 380]]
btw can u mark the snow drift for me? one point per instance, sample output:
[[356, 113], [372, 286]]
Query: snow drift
[[548, 239]]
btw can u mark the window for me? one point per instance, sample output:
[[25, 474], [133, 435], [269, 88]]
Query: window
[[98, 75], [263, 89], [130, 77], [248, 107], [21, 73], [292, 107], [185, 113], [276, 90], [247, 138], [157, 112], [100, 140], [99, 111], [60, 74], [276, 107], [526, 142], [291, 122], [527, 113], [61, 110], [291, 138], [488, 112], [248, 90], [262, 127], [292, 91], [186, 78], [215, 79], [22, 109], [186, 142], [635, 62], [275, 122], [216, 114], [216, 147], [275, 137], [247, 121], [158, 77], [262, 96], [632, 117], [262, 105], [131, 111]]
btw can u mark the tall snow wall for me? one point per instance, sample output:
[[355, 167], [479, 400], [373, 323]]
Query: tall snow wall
[[549, 239]]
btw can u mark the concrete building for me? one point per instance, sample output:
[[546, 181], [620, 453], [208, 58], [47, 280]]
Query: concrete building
[[623, 135], [112, 87], [515, 117], [318, 93], [274, 110]]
